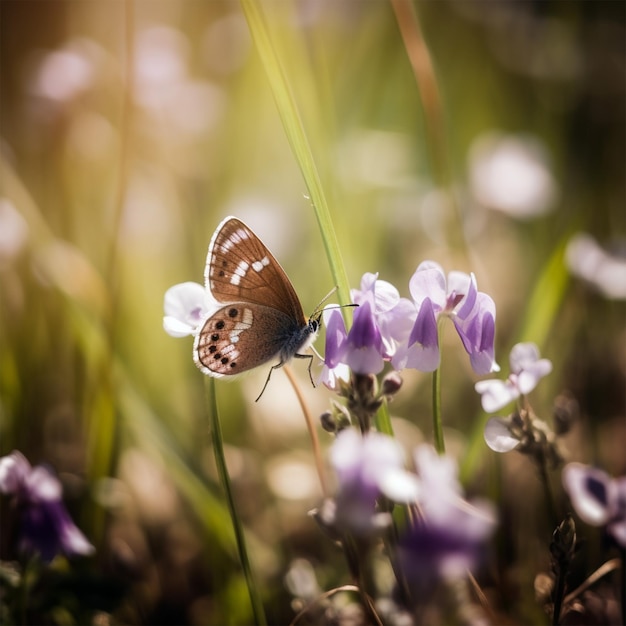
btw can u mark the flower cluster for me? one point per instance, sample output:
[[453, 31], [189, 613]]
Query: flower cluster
[[448, 537], [521, 430], [388, 328], [526, 371], [45, 525]]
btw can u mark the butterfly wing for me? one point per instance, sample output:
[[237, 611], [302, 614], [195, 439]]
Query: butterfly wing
[[241, 269], [228, 344]]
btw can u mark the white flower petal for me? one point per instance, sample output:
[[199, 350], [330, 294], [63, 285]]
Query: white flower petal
[[44, 485], [186, 306], [174, 327], [498, 436], [428, 281], [523, 356], [459, 282], [495, 393], [386, 296], [528, 378], [400, 486]]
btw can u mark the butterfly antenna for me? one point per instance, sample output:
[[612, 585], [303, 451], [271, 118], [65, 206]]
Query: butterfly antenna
[[317, 313]]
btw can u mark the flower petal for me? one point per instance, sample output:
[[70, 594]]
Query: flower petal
[[498, 436], [588, 490], [14, 469], [429, 281], [336, 336], [186, 305], [496, 394], [530, 377]]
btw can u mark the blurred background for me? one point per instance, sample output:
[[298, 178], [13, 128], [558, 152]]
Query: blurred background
[[129, 130]]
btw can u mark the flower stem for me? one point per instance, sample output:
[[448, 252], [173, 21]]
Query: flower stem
[[383, 420], [315, 442], [437, 424], [222, 470]]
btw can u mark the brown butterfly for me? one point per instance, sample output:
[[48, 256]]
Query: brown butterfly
[[262, 318]]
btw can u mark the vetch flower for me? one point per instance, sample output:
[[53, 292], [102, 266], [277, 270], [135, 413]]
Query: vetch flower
[[527, 369], [45, 525], [370, 341], [186, 306], [598, 499], [362, 464], [391, 312], [450, 538], [472, 312]]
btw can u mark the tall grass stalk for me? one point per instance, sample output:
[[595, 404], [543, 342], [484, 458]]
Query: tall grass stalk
[[298, 140], [222, 470]]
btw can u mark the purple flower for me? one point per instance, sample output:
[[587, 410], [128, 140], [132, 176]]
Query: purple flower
[[45, 525], [362, 464], [597, 498], [527, 369], [450, 538], [186, 306], [472, 312], [370, 341]]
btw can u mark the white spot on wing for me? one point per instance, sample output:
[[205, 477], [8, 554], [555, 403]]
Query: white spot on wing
[[244, 324], [257, 266], [242, 268]]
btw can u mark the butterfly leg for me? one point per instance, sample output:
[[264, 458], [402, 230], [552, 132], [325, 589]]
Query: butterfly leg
[[310, 357], [267, 380], [279, 365]]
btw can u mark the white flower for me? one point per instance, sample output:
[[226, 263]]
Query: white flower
[[527, 369], [186, 306]]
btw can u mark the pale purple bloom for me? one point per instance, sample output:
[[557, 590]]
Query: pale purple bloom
[[391, 312], [186, 306], [527, 369], [363, 464], [45, 525], [472, 312], [598, 499], [334, 370], [368, 344], [450, 538]]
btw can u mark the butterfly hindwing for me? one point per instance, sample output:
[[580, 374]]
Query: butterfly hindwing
[[240, 337], [240, 268]]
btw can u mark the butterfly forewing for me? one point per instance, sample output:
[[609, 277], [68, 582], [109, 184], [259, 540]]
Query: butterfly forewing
[[241, 269]]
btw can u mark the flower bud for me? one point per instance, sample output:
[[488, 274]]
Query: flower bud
[[391, 384]]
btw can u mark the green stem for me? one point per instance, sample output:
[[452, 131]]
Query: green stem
[[222, 470], [547, 489], [383, 420], [437, 423]]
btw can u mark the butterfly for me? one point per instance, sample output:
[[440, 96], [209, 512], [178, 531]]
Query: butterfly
[[261, 319]]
